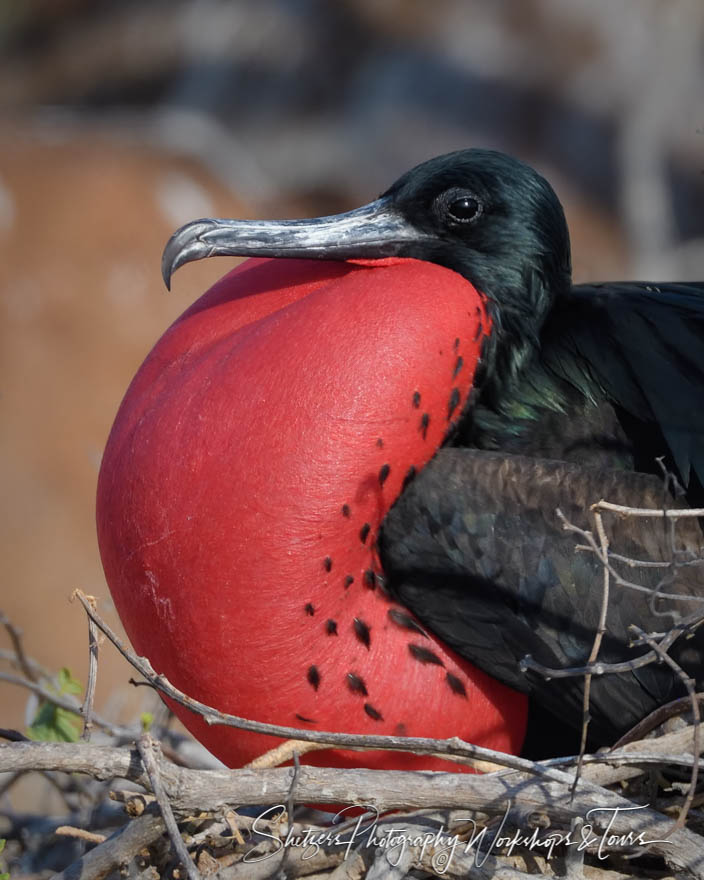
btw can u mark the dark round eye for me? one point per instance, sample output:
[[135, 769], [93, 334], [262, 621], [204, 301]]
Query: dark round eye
[[464, 209]]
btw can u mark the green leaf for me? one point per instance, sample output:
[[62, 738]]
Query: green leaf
[[67, 683], [146, 720], [53, 724]]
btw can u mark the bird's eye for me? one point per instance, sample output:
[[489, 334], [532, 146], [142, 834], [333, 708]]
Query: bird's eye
[[464, 209]]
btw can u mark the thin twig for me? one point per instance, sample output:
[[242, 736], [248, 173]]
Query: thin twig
[[11, 779], [145, 746], [649, 563], [118, 850], [574, 855], [290, 807], [87, 707], [598, 637], [292, 791], [80, 834], [64, 702], [38, 670], [655, 719], [592, 547], [689, 684], [285, 752], [12, 735], [16, 639], [600, 668], [667, 513]]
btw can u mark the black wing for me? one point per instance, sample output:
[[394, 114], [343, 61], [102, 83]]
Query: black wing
[[475, 549], [641, 346]]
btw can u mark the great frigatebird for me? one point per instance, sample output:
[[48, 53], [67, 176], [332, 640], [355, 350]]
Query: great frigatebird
[[578, 390]]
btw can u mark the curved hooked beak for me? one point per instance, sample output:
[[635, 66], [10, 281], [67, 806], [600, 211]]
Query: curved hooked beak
[[372, 231]]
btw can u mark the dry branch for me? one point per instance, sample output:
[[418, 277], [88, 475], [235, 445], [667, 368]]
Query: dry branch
[[87, 707], [191, 791], [145, 747], [117, 850]]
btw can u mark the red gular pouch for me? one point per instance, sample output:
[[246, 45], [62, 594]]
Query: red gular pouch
[[243, 486]]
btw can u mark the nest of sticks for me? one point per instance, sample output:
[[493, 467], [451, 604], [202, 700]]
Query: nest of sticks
[[138, 805]]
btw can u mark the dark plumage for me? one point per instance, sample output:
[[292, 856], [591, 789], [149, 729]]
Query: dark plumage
[[474, 547], [608, 377], [618, 377]]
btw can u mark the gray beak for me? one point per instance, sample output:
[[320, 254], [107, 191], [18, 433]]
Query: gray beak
[[372, 231]]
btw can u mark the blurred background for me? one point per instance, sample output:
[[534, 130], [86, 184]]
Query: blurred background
[[122, 120]]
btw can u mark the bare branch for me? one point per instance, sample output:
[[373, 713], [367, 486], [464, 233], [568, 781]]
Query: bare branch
[[649, 563], [592, 547], [689, 684], [666, 513], [87, 707], [598, 637], [27, 667], [145, 746], [117, 850], [80, 834], [656, 718], [63, 702], [285, 752], [599, 668]]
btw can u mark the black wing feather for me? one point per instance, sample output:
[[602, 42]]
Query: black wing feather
[[642, 346], [475, 549]]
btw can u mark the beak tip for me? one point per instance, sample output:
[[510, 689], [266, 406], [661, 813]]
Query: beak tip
[[185, 245], [170, 259], [166, 272]]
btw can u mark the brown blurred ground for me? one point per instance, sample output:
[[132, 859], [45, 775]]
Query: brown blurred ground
[[82, 303]]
